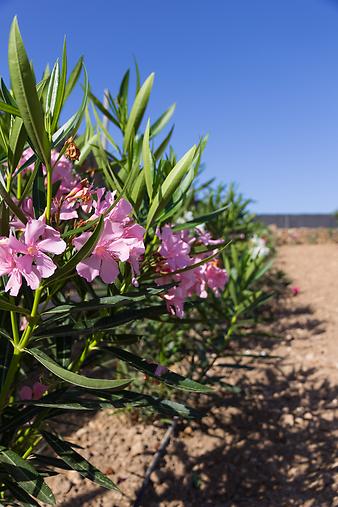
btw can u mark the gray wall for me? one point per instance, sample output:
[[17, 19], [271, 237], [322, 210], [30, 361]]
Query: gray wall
[[306, 220]]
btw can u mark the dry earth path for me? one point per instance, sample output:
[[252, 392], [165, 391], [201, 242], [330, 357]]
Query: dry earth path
[[273, 446]]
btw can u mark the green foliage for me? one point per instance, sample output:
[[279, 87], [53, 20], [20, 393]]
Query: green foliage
[[96, 345]]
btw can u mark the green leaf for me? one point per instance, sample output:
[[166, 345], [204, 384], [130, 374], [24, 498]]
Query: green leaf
[[25, 475], [24, 87], [7, 108], [123, 90], [61, 88], [137, 111], [163, 146], [63, 350], [138, 76], [39, 191], [84, 252], [170, 184], [199, 220], [80, 405], [73, 78], [75, 378], [4, 219], [170, 378], [99, 303], [11, 204], [71, 126], [148, 162], [6, 353], [162, 121], [103, 109], [10, 307], [52, 91], [103, 324], [76, 462], [25, 499], [17, 139]]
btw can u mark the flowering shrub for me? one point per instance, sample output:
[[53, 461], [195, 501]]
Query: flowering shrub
[[193, 274], [242, 284], [89, 251]]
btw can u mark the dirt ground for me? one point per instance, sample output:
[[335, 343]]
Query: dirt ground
[[273, 445]]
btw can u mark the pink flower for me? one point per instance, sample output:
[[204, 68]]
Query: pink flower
[[38, 239], [295, 291], [104, 200], [27, 257], [121, 240], [81, 196], [215, 277], [62, 171], [15, 268], [64, 209], [28, 209], [205, 237], [175, 249], [133, 236], [32, 393], [82, 193], [121, 211], [103, 261], [27, 154]]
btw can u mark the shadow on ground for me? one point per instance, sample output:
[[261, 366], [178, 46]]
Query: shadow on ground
[[276, 450], [273, 446]]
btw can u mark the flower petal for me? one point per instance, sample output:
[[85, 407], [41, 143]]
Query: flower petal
[[33, 230], [44, 265], [89, 268], [109, 270]]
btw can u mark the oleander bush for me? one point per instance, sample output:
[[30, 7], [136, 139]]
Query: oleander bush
[[235, 314], [115, 264]]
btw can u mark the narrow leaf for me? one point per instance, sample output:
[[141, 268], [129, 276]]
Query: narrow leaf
[[137, 110], [24, 87], [75, 378], [148, 162], [162, 121], [11, 204], [170, 184], [170, 378], [25, 475], [76, 462]]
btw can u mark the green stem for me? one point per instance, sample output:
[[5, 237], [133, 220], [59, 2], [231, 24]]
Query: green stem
[[49, 193], [12, 371], [18, 349], [9, 181], [32, 447], [90, 345], [19, 186], [15, 330]]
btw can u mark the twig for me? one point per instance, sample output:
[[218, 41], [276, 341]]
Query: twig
[[157, 456]]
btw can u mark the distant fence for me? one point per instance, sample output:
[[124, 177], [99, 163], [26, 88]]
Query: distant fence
[[307, 220]]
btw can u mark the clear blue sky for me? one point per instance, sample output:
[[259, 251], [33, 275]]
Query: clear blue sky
[[260, 76]]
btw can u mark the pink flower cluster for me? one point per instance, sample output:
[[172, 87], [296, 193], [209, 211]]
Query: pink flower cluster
[[23, 256], [175, 252], [27, 257], [120, 240]]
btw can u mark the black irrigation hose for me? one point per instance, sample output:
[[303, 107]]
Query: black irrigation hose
[[157, 456]]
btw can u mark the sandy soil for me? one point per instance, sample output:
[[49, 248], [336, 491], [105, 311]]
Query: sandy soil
[[273, 445]]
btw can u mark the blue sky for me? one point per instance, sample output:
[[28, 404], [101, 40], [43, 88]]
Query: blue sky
[[259, 76]]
